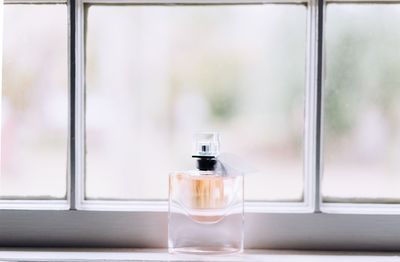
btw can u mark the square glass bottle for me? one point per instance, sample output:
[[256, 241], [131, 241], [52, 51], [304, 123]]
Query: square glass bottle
[[206, 209]]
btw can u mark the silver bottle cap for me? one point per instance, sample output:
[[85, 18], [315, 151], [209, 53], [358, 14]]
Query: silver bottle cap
[[206, 144]]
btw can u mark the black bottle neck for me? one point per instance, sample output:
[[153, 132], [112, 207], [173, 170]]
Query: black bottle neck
[[206, 163]]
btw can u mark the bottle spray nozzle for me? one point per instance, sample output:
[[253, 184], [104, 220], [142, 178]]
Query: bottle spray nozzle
[[206, 149], [206, 145]]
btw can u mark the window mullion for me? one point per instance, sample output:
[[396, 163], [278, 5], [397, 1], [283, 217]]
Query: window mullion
[[319, 120], [77, 72], [72, 88], [312, 108]]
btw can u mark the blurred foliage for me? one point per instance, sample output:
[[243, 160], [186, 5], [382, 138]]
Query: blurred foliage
[[17, 87], [221, 82], [362, 65]]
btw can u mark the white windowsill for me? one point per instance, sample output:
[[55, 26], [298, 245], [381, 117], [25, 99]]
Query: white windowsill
[[16, 254]]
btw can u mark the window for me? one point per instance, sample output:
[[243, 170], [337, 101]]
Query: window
[[361, 109], [34, 102], [110, 87], [169, 72]]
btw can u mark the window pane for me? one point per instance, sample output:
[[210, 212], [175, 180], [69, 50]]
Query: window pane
[[34, 102], [362, 131], [157, 74]]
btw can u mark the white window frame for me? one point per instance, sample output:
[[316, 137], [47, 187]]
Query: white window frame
[[310, 224], [308, 203]]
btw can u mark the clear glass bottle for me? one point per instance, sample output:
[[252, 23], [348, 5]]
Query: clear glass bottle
[[205, 205]]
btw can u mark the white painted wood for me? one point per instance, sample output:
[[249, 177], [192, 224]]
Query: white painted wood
[[162, 206], [166, 2], [1, 58], [78, 187], [162, 255], [311, 176], [149, 230], [362, 1], [311, 194], [70, 177], [367, 209], [35, 1], [34, 205]]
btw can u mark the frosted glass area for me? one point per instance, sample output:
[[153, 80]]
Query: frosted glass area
[[156, 75], [362, 109], [34, 109]]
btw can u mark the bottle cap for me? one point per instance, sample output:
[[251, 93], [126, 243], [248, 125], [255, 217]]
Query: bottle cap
[[206, 145]]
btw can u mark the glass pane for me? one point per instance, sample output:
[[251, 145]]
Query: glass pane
[[362, 110], [157, 74], [34, 102]]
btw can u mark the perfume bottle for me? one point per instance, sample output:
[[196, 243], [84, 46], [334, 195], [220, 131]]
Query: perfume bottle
[[206, 205]]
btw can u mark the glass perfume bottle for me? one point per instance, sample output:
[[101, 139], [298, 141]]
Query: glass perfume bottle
[[206, 205]]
